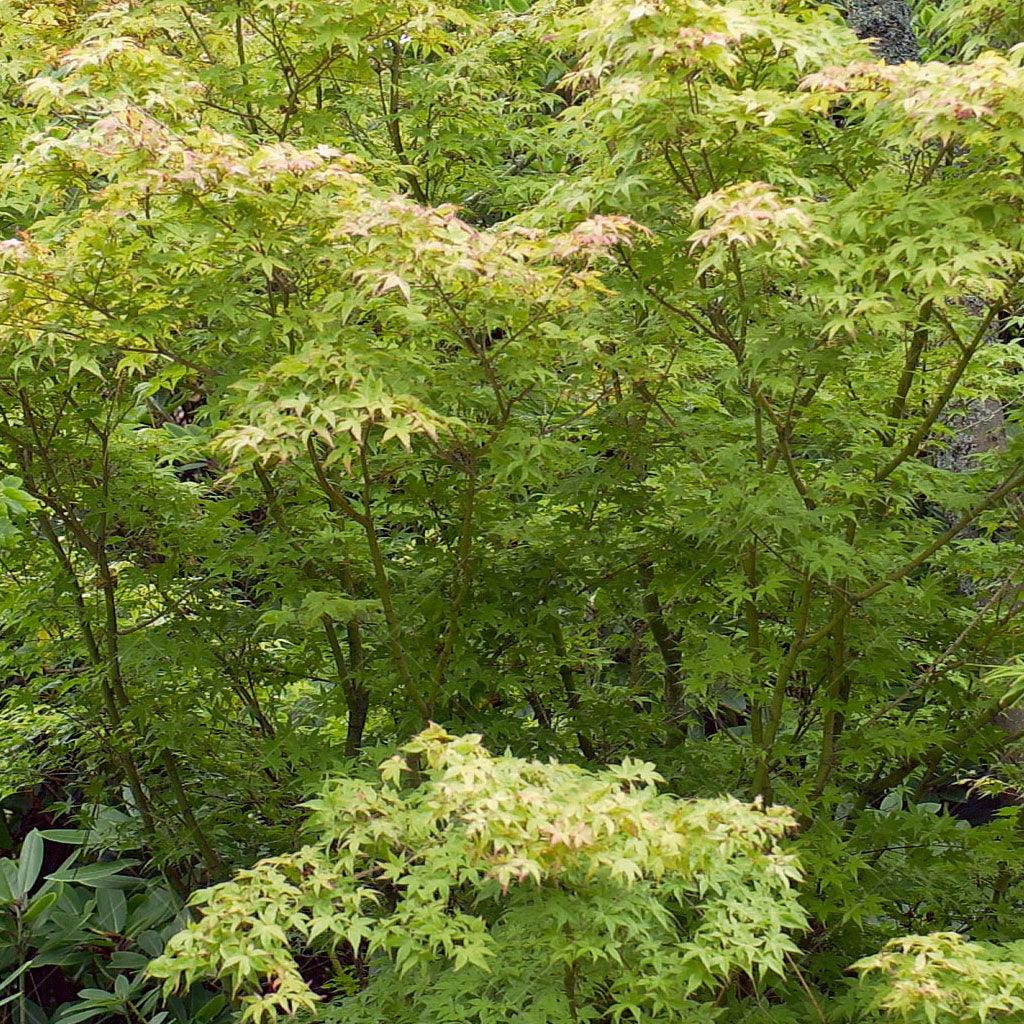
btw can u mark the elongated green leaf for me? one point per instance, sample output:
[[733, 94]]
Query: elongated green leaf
[[16, 974], [67, 836], [97, 995], [75, 1015], [212, 1008], [30, 862], [8, 879], [91, 872], [127, 960], [40, 905], [111, 909]]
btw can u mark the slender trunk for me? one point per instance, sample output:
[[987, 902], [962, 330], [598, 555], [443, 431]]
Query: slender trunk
[[108, 584], [539, 708], [462, 578], [668, 645], [394, 630], [832, 726], [211, 860], [356, 696], [762, 772], [122, 754], [357, 700], [572, 696], [753, 623]]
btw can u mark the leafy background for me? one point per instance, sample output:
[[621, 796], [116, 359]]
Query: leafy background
[[626, 383]]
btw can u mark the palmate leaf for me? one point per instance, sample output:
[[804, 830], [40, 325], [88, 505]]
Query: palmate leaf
[[575, 857], [606, 378]]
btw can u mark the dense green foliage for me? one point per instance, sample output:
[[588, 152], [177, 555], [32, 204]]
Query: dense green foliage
[[591, 935], [633, 383]]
